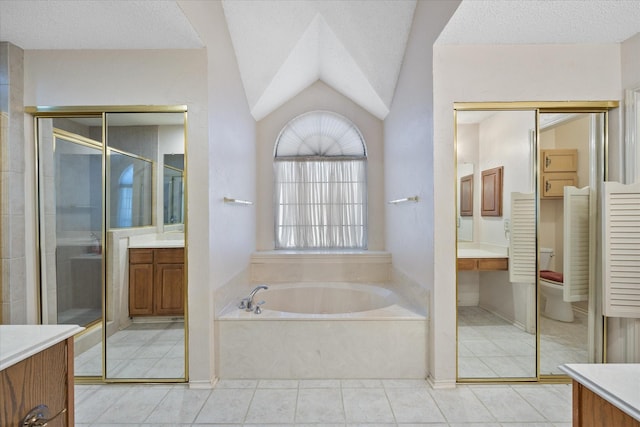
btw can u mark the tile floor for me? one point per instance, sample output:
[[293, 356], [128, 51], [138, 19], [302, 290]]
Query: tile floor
[[143, 350], [490, 347], [317, 403]]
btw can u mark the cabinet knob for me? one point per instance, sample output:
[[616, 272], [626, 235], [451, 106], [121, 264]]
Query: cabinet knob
[[547, 161], [547, 186], [40, 417]]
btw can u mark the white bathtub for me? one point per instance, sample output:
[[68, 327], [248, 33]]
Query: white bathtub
[[330, 330]]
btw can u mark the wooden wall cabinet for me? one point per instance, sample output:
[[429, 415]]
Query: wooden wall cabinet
[[492, 192], [558, 169], [46, 378], [156, 282]]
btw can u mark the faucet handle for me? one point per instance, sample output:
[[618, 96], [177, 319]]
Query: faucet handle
[[258, 310], [243, 304]]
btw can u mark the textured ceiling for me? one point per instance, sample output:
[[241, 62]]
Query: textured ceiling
[[96, 24], [356, 47], [542, 22]]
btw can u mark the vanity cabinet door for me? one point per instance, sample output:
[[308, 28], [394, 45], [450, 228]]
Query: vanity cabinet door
[[140, 289], [140, 282], [42, 379], [169, 300]]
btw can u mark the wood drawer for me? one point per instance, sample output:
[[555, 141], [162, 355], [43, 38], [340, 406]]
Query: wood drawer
[[170, 256], [483, 264], [493, 264], [467, 263], [141, 256]]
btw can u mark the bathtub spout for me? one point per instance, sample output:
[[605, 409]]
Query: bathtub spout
[[247, 303]]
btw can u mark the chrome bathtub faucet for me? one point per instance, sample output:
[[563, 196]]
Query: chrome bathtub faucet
[[247, 303]]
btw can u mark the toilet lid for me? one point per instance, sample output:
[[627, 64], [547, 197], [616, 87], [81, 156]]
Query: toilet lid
[[552, 275]]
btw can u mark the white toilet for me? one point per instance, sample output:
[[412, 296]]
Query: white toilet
[[553, 305]]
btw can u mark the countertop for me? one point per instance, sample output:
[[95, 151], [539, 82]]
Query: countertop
[[170, 243], [18, 342], [617, 383]]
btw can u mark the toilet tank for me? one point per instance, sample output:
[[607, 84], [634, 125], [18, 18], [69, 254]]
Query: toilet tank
[[545, 258]]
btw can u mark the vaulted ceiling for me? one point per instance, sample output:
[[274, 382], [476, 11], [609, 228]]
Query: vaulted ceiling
[[354, 46]]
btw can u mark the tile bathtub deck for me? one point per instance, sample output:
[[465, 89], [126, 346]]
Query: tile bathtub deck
[[324, 403]]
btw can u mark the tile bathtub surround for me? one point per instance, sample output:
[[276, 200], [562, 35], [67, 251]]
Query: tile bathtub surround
[[345, 403]]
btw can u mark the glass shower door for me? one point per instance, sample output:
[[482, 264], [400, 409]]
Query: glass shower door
[[78, 180]]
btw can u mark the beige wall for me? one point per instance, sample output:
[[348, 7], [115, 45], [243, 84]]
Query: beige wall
[[319, 96], [499, 73], [410, 169]]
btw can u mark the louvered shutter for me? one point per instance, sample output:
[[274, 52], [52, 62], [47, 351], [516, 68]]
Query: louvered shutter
[[621, 250], [576, 266], [522, 242]]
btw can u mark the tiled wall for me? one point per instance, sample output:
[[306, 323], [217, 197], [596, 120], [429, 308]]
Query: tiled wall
[[12, 202]]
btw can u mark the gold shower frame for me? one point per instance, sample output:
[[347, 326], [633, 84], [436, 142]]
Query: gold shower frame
[[100, 111]]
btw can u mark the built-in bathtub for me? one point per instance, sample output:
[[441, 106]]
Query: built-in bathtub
[[323, 330]]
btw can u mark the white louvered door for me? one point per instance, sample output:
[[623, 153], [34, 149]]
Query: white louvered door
[[621, 250], [576, 265], [522, 243]]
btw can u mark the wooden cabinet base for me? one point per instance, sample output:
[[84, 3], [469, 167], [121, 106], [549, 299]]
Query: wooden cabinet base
[[590, 410], [46, 378]]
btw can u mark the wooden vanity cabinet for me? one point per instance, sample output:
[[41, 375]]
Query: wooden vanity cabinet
[[46, 378], [558, 169], [156, 282]]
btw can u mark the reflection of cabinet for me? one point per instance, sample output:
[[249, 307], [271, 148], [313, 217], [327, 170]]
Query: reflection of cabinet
[[466, 195], [483, 264], [156, 281], [558, 169]]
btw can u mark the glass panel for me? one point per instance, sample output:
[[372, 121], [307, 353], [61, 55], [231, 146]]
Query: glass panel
[[71, 212], [497, 310], [569, 146], [146, 285]]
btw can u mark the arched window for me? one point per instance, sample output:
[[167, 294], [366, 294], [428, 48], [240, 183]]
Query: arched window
[[320, 172]]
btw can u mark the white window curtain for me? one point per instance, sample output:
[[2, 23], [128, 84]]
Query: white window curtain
[[320, 203]]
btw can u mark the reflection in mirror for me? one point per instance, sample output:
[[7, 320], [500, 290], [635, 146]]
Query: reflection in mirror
[[465, 202], [146, 290], [496, 311], [70, 198], [569, 144], [173, 188], [130, 190]]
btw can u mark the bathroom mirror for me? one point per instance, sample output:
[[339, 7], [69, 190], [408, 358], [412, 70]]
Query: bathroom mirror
[[521, 319], [496, 314], [145, 299], [571, 155], [100, 188]]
